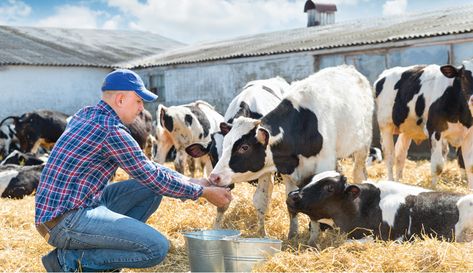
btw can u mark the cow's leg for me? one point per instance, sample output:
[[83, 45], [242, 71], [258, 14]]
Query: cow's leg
[[437, 160], [293, 223], [206, 165], [467, 154], [219, 218], [262, 199], [359, 171], [148, 149], [402, 147], [190, 163], [180, 161], [328, 164], [387, 144], [36, 146], [161, 150]]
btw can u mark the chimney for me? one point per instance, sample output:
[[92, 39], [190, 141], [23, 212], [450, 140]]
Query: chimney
[[319, 14]]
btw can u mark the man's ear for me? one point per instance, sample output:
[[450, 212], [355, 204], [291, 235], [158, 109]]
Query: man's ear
[[119, 99], [262, 135], [353, 191]]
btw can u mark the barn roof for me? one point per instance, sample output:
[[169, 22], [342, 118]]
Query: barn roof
[[344, 34], [77, 47]]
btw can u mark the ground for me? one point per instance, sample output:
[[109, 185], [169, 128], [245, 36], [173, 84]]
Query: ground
[[21, 247]]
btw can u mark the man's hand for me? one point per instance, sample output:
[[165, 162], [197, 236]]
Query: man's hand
[[204, 182], [218, 196]]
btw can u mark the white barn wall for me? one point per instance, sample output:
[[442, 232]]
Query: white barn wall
[[219, 82], [65, 89]]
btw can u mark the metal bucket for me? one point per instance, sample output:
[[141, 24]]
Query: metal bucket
[[241, 254], [204, 249]]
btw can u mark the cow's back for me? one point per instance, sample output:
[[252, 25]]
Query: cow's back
[[342, 100], [212, 115], [259, 96]]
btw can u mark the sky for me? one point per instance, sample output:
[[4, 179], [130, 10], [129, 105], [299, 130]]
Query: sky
[[196, 21]]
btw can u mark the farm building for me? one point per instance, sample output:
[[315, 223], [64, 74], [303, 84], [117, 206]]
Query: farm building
[[216, 71], [61, 69]]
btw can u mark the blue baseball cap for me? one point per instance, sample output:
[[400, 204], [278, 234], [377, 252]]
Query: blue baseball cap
[[127, 80]]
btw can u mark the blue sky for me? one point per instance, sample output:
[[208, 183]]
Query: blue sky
[[193, 21]]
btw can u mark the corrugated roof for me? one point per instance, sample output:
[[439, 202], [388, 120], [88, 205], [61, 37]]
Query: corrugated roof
[[77, 47], [344, 34]]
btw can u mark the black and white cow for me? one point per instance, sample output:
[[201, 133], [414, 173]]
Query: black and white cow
[[182, 125], [39, 128], [24, 159], [323, 117], [19, 181], [256, 99], [426, 102], [142, 131], [386, 209], [8, 139]]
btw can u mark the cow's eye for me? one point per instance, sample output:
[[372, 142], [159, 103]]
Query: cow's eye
[[243, 148], [329, 188]]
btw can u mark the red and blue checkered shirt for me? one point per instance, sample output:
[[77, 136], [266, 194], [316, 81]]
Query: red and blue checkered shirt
[[83, 160]]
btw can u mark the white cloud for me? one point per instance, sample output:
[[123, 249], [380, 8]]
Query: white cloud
[[113, 23], [68, 16], [394, 7], [13, 11], [194, 20]]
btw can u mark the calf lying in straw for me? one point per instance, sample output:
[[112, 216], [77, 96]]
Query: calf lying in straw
[[388, 210]]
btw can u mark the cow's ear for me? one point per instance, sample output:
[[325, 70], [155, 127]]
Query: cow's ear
[[353, 191], [165, 120], [343, 179], [262, 135], [160, 114], [450, 71], [225, 128], [196, 150]]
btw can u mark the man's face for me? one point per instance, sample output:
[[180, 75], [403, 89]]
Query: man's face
[[131, 107]]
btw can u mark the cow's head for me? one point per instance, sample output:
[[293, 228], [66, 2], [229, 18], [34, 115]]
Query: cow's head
[[463, 77], [213, 148], [187, 124], [322, 196], [245, 155]]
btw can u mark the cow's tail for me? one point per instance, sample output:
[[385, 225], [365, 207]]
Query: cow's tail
[[9, 117]]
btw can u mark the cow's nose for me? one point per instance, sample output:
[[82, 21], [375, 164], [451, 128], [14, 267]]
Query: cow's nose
[[215, 179]]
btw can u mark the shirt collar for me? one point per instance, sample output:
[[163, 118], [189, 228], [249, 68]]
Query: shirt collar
[[102, 105]]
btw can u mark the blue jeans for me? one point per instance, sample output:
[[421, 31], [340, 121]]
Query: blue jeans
[[112, 235]]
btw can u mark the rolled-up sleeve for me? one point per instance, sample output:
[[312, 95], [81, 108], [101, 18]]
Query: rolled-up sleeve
[[120, 146]]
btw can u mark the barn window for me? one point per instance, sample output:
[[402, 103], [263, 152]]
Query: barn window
[[156, 85]]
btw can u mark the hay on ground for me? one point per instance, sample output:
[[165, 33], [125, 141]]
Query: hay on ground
[[21, 247]]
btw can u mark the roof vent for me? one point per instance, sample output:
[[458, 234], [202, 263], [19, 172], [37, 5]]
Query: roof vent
[[319, 14]]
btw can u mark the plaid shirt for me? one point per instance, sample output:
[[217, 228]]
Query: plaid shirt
[[94, 144]]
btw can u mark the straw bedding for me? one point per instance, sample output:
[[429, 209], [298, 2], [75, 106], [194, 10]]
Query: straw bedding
[[21, 247]]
